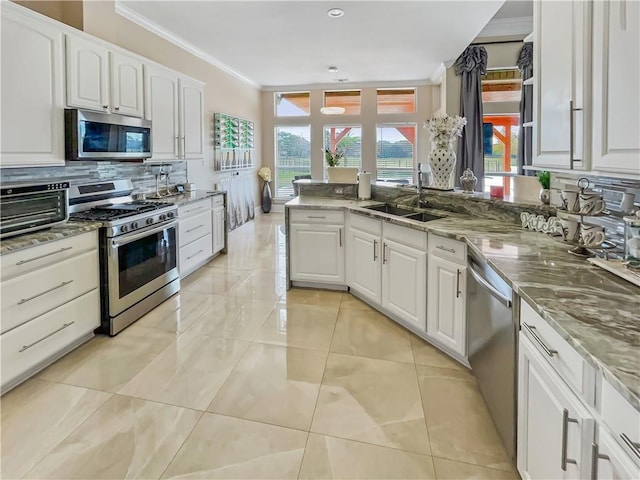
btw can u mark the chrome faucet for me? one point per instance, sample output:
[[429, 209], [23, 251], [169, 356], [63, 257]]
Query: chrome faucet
[[419, 183]]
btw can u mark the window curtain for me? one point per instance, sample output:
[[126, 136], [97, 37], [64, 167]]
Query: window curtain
[[471, 65], [525, 140]]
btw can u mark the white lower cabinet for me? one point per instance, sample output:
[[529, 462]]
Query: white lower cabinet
[[555, 430], [195, 235], [364, 246], [219, 228], [610, 462], [317, 253]]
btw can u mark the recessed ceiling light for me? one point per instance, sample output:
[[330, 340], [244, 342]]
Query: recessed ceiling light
[[335, 12], [333, 69]]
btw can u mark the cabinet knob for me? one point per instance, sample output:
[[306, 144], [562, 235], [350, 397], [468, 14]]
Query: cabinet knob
[[117, 109], [105, 107]]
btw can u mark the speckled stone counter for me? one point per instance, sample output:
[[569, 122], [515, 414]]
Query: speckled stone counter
[[189, 197], [597, 312], [69, 229]]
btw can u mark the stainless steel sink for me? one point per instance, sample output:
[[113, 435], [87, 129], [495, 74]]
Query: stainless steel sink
[[404, 212]]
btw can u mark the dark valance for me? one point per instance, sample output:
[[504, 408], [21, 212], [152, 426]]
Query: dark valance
[[473, 58], [525, 60]]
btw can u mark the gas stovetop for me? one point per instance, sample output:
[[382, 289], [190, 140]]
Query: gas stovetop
[[111, 212]]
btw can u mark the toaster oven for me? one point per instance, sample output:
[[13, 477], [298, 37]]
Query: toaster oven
[[29, 207]]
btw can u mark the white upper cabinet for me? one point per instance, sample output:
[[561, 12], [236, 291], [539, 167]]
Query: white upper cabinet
[[87, 74], [32, 97], [561, 112], [616, 96], [191, 119], [161, 107], [126, 85]]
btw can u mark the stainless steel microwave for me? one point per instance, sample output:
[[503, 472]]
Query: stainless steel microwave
[[105, 136], [28, 207]]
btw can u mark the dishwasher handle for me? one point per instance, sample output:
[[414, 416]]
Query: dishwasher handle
[[492, 290]]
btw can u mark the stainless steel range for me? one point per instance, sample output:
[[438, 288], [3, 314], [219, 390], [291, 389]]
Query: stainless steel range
[[138, 250]]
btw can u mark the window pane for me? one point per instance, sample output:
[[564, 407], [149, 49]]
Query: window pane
[[293, 157], [346, 139], [401, 100], [502, 85], [347, 99], [295, 104], [500, 150], [395, 152]]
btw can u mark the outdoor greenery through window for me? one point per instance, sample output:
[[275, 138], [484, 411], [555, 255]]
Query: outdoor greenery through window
[[293, 157], [395, 152], [346, 139], [399, 100], [347, 99], [292, 104]]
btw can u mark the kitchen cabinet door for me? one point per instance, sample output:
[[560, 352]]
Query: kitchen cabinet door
[[87, 74], [317, 253], [127, 96], [404, 278], [611, 462], [32, 95], [218, 229], [616, 96], [555, 431], [561, 71], [446, 304], [366, 264], [192, 143], [161, 107]]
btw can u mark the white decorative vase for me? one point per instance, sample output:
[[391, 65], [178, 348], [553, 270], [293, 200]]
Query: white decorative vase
[[442, 160]]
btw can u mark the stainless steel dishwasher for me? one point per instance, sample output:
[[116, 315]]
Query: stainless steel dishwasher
[[492, 333]]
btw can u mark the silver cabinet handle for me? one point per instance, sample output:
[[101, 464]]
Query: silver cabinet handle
[[194, 228], [195, 254], [22, 262], [312, 216], [27, 347], [384, 253], [571, 134], [635, 447], [450, 250], [117, 109], [176, 146], [565, 438], [184, 146], [458, 292], [340, 236], [531, 330], [595, 456], [25, 300], [105, 107], [375, 250]]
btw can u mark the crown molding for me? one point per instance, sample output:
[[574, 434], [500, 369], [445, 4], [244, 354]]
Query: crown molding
[[162, 32], [350, 85], [507, 26]]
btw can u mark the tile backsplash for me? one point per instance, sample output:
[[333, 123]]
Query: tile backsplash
[[78, 172]]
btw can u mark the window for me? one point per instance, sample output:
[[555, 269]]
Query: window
[[294, 104], [293, 157], [347, 139], [395, 152], [500, 150], [347, 99], [399, 100], [502, 85]]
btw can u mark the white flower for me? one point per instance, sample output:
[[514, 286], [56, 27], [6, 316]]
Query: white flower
[[445, 125], [265, 174]]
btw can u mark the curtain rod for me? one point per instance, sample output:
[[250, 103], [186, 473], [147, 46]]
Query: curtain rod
[[498, 41]]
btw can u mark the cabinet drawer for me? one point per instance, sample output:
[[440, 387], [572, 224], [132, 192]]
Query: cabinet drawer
[[195, 253], [365, 224], [34, 258], [194, 208], [27, 296], [194, 227], [563, 358], [406, 236], [448, 248], [32, 343], [622, 418], [334, 217], [217, 200]]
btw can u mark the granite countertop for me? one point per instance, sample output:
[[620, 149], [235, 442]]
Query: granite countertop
[[597, 312], [68, 229], [188, 197]]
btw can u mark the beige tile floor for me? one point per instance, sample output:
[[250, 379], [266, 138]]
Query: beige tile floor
[[236, 377]]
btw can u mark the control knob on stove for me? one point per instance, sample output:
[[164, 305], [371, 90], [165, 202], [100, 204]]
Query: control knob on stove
[[124, 228], [149, 221], [134, 225], [170, 214], [162, 217]]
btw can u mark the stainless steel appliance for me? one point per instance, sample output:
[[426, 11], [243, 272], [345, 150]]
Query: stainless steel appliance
[[138, 250], [105, 136], [28, 207], [492, 333]]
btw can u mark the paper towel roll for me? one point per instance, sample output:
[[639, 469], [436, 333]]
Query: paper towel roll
[[364, 186]]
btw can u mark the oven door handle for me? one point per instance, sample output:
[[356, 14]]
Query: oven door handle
[[124, 239]]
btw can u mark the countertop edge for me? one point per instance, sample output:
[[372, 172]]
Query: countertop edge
[[59, 232]]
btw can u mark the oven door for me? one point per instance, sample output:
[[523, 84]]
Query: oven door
[[141, 263]]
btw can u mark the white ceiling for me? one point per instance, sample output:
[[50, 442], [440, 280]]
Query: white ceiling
[[287, 43]]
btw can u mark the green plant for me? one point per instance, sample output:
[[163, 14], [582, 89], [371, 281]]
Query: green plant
[[333, 158], [544, 178]]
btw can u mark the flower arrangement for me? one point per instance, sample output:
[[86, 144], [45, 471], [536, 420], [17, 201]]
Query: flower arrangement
[[445, 125], [333, 158], [265, 174]]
